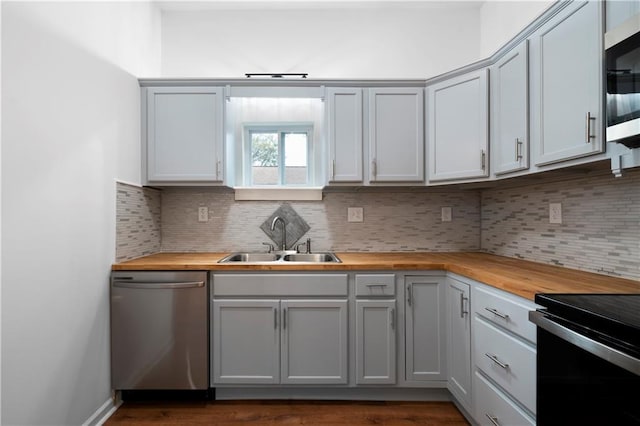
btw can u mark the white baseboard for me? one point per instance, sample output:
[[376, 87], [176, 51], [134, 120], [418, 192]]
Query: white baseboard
[[103, 413]]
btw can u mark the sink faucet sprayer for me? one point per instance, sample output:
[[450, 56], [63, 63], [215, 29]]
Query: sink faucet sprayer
[[284, 230]]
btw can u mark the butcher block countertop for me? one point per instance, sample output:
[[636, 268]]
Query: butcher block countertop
[[520, 277]]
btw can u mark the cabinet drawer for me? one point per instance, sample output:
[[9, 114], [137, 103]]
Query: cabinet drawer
[[506, 311], [491, 403], [289, 285], [375, 285], [508, 361]]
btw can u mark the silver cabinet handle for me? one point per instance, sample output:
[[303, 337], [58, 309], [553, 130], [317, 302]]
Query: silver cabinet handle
[[218, 170], [333, 170], [497, 361], [375, 285], [496, 312], [462, 311], [374, 168], [588, 135], [483, 157], [393, 319], [157, 286], [492, 419], [409, 295], [284, 318], [518, 149], [275, 318]]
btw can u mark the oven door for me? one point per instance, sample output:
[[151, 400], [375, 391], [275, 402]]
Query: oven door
[[623, 84], [581, 380]]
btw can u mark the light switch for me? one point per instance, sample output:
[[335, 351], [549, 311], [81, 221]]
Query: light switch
[[555, 213], [355, 214], [446, 214], [203, 214]]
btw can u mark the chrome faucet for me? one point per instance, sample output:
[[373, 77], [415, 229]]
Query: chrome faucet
[[284, 230]]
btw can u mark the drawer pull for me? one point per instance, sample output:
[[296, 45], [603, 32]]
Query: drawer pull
[[493, 419], [497, 361], [497, 313], [376, 285], [275, 318]]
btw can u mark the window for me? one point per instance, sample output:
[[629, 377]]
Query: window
[[279, 154]]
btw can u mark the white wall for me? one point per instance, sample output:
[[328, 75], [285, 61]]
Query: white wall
[[71, 126], [502, 20], [405, 40]]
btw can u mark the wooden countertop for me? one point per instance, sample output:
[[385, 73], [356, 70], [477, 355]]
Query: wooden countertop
[[520, 277]]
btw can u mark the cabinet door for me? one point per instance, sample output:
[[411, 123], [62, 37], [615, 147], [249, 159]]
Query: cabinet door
[[344, 124], [376, 341], [314, 342], [568, 85], [246, 341], [459, 341], [184, 134], [424, 328], [458, 127], [510, 107], [396, 135]]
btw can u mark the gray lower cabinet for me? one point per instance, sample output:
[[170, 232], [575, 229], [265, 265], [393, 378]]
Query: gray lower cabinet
[[246, 341], [376, 341], [424, 328], [459, 341], [279, 341]]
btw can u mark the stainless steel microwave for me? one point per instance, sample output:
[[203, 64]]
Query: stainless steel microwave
[[622, 55]]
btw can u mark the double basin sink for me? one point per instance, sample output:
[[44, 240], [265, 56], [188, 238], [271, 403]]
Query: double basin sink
[[281, 257]]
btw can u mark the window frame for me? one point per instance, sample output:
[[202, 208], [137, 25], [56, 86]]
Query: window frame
[[280, 129]]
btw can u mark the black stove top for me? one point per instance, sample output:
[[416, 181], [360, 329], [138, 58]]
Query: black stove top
[[614, 318]]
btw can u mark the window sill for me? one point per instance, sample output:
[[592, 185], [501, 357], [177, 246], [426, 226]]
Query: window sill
[[278, 194]]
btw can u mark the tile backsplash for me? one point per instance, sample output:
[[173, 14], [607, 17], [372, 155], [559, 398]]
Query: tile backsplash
[[393, 221], [137, 221], [600, 230], [600, 214]]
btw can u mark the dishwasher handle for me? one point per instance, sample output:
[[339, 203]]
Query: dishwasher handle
[[157, 286]]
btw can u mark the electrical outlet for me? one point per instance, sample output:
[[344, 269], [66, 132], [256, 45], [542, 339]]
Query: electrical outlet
[[203, 214], [555, 213], [446, 214], [355, 214]]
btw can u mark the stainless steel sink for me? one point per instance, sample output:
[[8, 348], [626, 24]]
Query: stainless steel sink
[[250, 257], [312, 257], [242, 257]]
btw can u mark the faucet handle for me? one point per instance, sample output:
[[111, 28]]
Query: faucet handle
[[270, 247], [307, 245]]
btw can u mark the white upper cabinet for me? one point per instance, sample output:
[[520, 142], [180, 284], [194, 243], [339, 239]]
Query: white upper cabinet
[[344, 128], [396, 135], [184, 135], [458, 127], [510, 111], [567, 115]]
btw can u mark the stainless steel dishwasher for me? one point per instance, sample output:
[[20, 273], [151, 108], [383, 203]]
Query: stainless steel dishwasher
[[159, 330]]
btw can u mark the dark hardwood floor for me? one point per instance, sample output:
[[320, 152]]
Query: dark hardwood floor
[[287, 413]]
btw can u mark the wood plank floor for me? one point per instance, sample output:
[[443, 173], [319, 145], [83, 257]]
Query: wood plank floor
[[336, 413]]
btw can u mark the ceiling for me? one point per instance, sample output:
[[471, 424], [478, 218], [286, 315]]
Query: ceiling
[[190, 5]]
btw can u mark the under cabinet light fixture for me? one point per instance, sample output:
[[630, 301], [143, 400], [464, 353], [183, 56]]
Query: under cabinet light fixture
[[278, 75]]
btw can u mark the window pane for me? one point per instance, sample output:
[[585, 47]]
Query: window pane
[[264, 158], [295, 158]]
